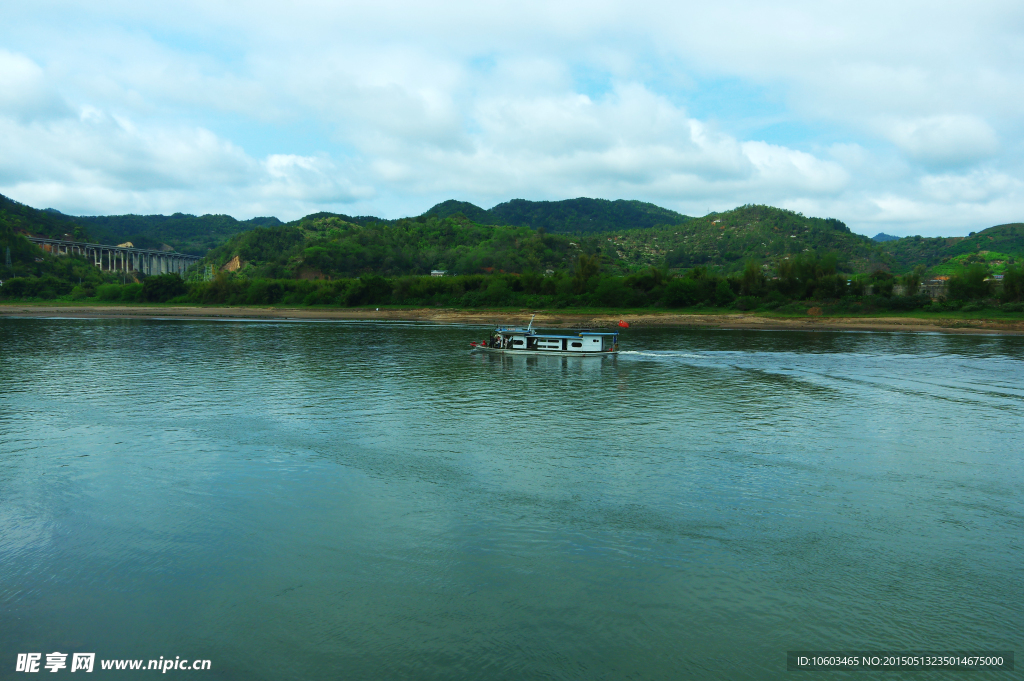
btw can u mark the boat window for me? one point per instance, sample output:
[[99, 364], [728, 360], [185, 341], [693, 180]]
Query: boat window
[[577, 345], [517, 342]]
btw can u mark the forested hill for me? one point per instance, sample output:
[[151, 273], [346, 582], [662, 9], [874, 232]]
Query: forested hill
[[325, 245], [328, 246], [184, 233], [460, 237], [18, 217], [572, 216]]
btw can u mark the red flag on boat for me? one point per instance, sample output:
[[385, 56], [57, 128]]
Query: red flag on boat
[[623, 324]]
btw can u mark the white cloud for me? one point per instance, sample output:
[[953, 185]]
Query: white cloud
[[308, 180], [947, 140], [906, 115], [24, 92], [973, 187]]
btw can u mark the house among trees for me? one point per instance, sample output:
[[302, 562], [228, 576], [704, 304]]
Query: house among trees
[[935, 288]]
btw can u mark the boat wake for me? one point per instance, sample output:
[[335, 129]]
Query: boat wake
[[667, 354]]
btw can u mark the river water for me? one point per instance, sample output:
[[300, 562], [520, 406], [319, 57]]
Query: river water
[[328, 500]]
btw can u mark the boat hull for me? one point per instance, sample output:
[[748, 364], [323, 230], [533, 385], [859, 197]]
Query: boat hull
[[550, 353]]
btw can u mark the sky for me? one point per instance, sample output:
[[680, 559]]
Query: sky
[[903, 117]]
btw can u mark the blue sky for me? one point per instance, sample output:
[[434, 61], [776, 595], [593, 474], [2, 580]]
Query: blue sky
[[897, 117]]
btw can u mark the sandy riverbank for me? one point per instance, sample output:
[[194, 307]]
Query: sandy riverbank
[[547, 319]]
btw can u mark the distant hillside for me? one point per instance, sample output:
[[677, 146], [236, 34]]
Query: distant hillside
[[184, 233], [48, 223], [882, 237], [325, 245], [999, 245], [626, 236], [446, 209], [329, 246], [572, 216], [52, 275], [731, 238]]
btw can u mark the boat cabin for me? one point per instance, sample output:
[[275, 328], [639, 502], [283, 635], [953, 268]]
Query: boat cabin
[[528, 340]]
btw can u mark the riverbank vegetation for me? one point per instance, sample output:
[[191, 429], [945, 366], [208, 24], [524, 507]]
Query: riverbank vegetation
[[807, 285], [751, 259]]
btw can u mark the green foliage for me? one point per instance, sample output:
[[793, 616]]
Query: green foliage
[[723, 293], [184, 233], [572, 216], [130, 293], [369, 290], [587, 266], [912, 280], [18, 217], [993, 244], [162, 288], [22, 250], [452, 208], [752, 283], [109, 292], [651, 288], [1013, 285], [45, 288], [761, 234], [330, 247], [970, 284]]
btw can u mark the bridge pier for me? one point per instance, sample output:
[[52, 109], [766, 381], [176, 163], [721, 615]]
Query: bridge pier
[[112, 258]]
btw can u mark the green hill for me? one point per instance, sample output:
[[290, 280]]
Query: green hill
[[996, 247], [572, 216], [47, 223], [319, 246], [447, 209], [330, 246], [520, 236], [49, 275], [184, 233], [728, 240]]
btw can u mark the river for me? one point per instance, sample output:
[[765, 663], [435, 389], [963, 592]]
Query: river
[[369, 500]]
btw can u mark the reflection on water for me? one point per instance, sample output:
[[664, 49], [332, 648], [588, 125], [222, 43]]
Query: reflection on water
[[358, 500]]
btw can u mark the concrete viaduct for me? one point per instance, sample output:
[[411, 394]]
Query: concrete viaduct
[[121, 258]]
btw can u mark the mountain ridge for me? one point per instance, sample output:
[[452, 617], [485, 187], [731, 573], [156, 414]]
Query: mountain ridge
[[570, 216], [458, 235]]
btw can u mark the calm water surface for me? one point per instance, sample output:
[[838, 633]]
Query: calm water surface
[[371, 501]]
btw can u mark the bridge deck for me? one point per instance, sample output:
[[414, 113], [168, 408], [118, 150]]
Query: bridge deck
[[121, 258]]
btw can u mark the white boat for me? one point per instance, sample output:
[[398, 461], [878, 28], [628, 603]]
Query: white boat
[[516, 340]]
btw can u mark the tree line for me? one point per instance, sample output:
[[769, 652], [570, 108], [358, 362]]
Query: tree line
[[804, 282]]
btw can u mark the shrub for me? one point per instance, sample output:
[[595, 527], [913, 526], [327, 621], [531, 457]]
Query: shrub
[[162, 288], [723, 294], [746, 302], [1013, 285], [814, 312], [613, 292], [793, 308], [970, 284], [264, 292], [368, 290], [909, 302], [14, 288], [108, 292], [681, 293], [131, 293]]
